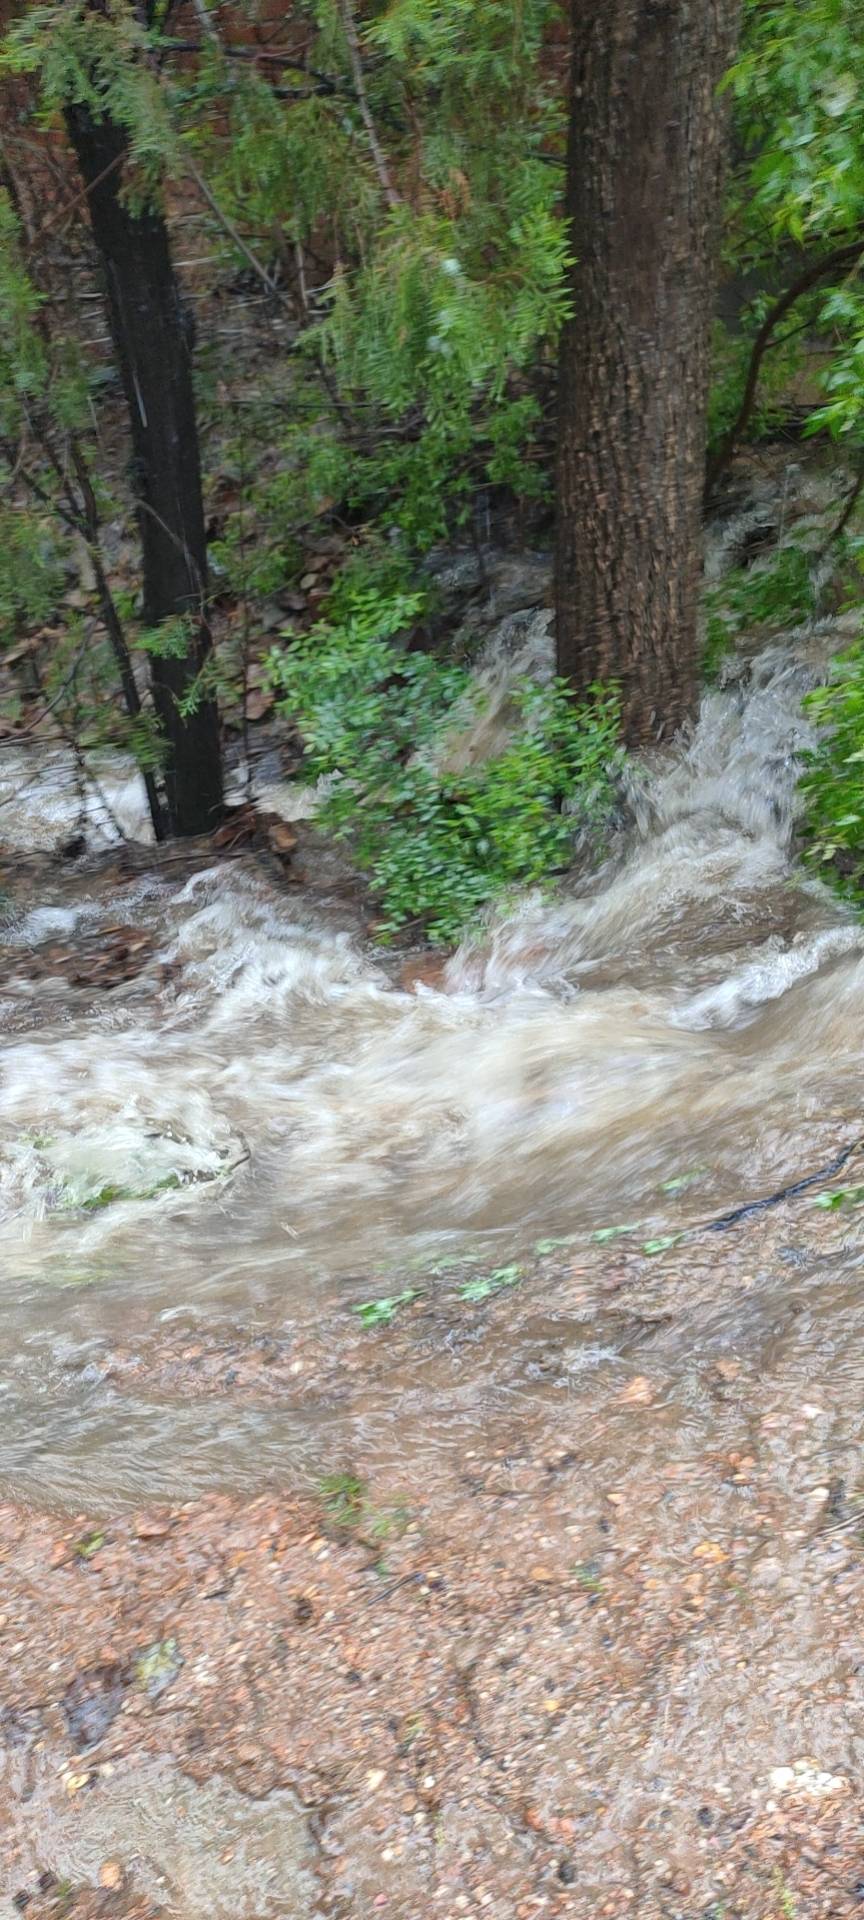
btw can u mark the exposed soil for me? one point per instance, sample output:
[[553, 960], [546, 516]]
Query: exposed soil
[[603, 1660]]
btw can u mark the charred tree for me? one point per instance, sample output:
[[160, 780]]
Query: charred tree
[[644, 181], [151, 335]]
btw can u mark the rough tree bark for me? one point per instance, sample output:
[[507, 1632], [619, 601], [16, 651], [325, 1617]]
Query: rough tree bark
[[151, 338], [645, 168]]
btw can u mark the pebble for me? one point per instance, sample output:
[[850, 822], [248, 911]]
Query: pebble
[[153, 1526]]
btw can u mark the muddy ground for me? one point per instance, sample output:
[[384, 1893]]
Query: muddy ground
[[560, 1611], [572, 1624]]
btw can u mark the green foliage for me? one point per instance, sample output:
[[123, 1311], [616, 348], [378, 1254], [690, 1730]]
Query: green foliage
[[344, 1498], [833, 783], [836, 1197], [23, 365], [100, 60], [768, 597], [349, 1509], [448, 292], [439, 845], [379, 1313], [32, 572], [485, 1286], [796, 90], [797, 87], [428, 302]]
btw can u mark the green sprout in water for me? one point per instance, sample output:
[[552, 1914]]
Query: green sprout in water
[[379, 1313], [488, 1284], [839, 1197]]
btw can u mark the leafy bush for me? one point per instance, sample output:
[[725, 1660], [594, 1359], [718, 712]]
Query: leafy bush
[[833, 784], [778, 595], [773, 597], [796, 197], [439, 844]]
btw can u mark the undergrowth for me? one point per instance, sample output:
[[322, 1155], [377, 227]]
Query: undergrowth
[[833, 781], [438, 844]]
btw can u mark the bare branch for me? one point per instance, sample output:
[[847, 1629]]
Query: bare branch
[[847, 255], [349, 26]]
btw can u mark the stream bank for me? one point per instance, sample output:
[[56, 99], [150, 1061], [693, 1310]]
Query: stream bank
[[408, 1506], [600, 1656]]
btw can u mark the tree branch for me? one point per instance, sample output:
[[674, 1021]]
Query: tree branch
[[853, 498], [349, 27], [840, 257]]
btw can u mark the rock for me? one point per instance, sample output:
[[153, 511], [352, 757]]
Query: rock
[[492, 582], [426, 972], [92, 1702], [153, 1526], [111, 1875]]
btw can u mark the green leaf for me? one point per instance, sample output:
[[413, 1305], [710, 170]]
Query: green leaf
[[379, 1313]]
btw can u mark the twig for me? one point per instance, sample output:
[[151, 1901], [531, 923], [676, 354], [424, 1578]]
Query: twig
[[83, 519], [750, 1207], [208, 25], [233, 231], [845, 517], [349, 27], [841, 256]]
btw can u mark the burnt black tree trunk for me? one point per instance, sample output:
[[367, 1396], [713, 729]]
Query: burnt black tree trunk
[[644, 182], [152, 341]]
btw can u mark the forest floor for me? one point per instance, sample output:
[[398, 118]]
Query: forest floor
[[606, 1659]]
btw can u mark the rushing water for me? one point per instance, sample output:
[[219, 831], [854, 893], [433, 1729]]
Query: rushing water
[[265, 1113]]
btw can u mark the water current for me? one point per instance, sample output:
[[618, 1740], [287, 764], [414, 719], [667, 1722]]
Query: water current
[[266, 1116]]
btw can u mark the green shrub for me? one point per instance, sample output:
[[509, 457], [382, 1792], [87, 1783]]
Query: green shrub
[[437, 844], [833, 783], [769, 598]]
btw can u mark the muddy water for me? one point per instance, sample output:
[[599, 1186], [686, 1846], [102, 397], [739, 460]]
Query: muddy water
[[265, 1124]]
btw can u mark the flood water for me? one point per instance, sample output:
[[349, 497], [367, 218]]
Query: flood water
[[265, 1123]]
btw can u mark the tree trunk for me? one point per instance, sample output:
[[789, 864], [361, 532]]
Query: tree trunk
[[644, 180], [152, 340]]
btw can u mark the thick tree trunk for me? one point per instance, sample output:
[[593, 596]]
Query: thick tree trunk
[[645, 167], [151, 339]]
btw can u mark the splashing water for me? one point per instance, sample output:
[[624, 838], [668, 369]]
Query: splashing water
[[279, 1115]]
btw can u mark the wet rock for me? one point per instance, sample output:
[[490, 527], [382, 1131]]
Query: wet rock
[[17, 1729], [92, 1702], [154, 1526], [491, 582], [424, 971]]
